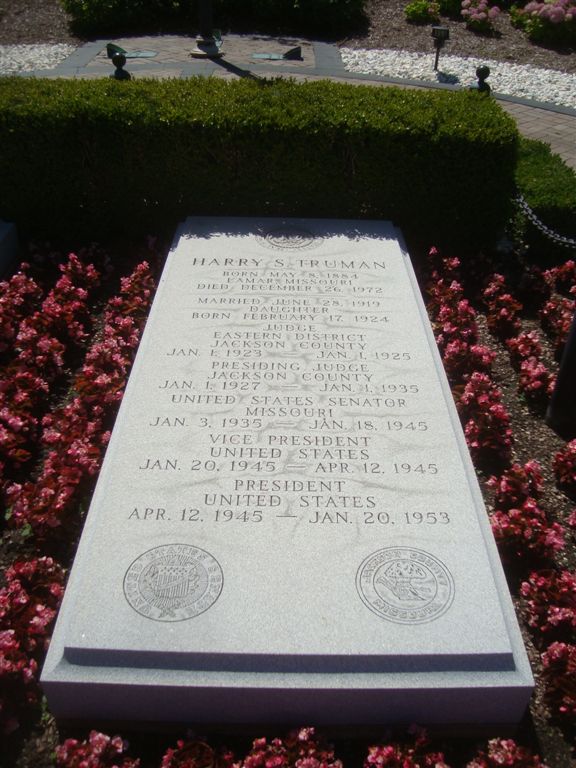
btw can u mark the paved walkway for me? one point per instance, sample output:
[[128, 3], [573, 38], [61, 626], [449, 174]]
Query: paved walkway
[[552, 124]]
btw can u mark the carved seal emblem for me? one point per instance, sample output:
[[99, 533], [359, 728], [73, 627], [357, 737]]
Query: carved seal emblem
[[405, 585], [173, 582], [290, 238]]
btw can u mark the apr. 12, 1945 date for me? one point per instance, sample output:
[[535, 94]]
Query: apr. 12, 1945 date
[[362, 517]]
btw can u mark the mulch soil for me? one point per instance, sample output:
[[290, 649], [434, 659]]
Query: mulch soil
[[388, 28], [34, 21]]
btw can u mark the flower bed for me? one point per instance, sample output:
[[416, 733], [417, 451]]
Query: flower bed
[[66, 356], [544, 21]]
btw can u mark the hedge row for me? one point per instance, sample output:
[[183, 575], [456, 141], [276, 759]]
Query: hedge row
[[318, 17], [549, 187], [103, 157]]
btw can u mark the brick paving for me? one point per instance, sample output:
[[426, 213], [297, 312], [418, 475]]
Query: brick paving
[[554, 125], [555, 128]]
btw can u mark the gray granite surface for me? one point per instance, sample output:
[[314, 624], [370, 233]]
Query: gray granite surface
[[287, 525]]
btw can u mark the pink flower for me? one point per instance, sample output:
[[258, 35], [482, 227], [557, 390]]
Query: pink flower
[[556, 15], [559, 674], [505, 752]]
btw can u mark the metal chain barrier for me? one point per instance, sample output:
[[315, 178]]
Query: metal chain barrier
[[567, 242]]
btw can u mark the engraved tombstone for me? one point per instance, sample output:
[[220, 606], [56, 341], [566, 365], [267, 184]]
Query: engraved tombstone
[[287, 525]]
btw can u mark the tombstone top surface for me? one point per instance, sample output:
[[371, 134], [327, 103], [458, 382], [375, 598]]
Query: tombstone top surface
[[287, 489]]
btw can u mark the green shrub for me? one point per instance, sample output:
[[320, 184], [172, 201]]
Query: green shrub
[[318, 17], [422, 11], [451, 8], [549, 187], [107, 156], [100, 16], [322, 18]]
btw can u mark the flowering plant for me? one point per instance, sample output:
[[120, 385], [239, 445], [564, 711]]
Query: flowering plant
[[486, 421], [455, 320], [28, 606], [448, 266], [404, 755], [442, 291], [505, 752], [556, 318], [550, 602], [564, 466], [525, 533], [461, 359], [563, 277], [300, 749], [495, 287], [63, 317], [502, 318], [20, 394], [516, 485], [502, 308], [196, 754], [443, 286], [559, 673], [98, 751], [479, 15], [536, 382], [19, 297], [524, 346], [18, 676], [548, 21], [75, 434], [480, 393], [41, 339]]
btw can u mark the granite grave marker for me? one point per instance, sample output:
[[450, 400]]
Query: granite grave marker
[[287, 525]]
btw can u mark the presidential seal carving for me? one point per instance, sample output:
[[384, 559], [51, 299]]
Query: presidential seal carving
[[173, 582], [405, 585], [290, 238]]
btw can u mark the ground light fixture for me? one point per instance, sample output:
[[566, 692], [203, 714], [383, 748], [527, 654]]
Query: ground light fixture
[[439, 35]]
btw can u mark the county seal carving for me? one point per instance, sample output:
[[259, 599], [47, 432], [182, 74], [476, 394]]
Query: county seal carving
[[173, 582], [405, 585]]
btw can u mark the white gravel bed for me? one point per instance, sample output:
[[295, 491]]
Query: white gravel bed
[[26, 58], [545, 85]]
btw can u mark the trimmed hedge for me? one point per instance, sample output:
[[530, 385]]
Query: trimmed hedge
[[322, 18], [104, 157], [548, 185], [92, 17]]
